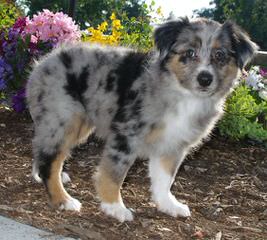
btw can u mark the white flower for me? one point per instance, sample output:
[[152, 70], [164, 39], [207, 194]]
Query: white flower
[[263, 94], [261, 85], [253, 80], [255, 69]]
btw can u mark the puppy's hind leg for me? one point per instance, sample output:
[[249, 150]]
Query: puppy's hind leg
[[50, 153], [162, 171], [50, 172]]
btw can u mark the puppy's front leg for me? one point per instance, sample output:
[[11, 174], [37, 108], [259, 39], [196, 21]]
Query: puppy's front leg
[[162, 171], [108, 181]]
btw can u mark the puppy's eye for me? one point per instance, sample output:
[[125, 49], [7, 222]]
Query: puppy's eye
[[219, 55], [190, 53]]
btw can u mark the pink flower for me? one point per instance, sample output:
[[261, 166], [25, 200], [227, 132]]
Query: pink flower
[[55, 27], [34, 39]]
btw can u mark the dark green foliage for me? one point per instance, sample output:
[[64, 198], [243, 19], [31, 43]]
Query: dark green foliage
[[249, 14], [245, 115], [91, 12]]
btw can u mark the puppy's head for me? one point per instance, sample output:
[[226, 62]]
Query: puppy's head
[[205, 56]]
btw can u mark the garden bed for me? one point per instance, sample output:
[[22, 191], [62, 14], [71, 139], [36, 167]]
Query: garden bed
[[224, 184]]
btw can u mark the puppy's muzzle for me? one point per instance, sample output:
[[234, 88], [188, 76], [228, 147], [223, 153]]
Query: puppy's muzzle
[[204, 79]]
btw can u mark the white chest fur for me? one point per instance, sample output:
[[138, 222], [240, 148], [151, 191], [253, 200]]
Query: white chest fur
[[187, 123]]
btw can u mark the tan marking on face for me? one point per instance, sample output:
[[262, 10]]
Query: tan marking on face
[[216, 44], [232, 70], [107, 188], [155, 134], [169, 164], [176, 66], [57, 193], [228, 74]]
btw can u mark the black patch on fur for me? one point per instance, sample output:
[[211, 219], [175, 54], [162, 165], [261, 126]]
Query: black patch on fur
[[65, 59], [114, 158], [120, 115], [110, 110], [40, 97], [47, 71], [111, 78], [77, 85], [137, 106], [183, 59], [131, 67], [100, 57], [242, 47], [38, 118], [166, 34], [141, 124], [45, 160], [121, 144]]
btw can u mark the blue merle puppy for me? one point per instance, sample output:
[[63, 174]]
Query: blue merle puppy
[[155, 105]]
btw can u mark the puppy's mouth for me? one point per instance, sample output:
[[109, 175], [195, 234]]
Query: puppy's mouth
[[204, 91]]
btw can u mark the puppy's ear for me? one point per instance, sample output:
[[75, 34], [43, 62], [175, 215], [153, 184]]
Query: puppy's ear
[[166, 34], [242, 46]]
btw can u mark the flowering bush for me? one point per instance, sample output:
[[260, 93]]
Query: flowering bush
[[101, 33], [52, 27], [256, 78], [246, 108], [28, 39], [134, 32]]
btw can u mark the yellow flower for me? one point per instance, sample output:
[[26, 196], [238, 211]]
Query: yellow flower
[[116, 23], [113, 16], [103, 26], [97, 35]]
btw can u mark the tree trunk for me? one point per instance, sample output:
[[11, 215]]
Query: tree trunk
[[72, 4], [260, 59]]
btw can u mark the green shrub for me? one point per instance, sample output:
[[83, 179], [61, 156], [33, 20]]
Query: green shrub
[[8, 15], [245, 115]]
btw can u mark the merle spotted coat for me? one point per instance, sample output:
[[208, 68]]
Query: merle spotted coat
[[155, 105]]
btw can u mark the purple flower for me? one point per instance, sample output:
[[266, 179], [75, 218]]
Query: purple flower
[[18, 101], [6, 73], [2, 84], [263, 72]]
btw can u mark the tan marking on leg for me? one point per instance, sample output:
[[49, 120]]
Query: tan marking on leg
[[108, 189], [155, 134], [169, 164], [78, 131], [57, 193]]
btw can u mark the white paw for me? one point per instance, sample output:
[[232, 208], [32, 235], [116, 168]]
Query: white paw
[[118, 211], [65, 177], [71, 204], [171, 206]]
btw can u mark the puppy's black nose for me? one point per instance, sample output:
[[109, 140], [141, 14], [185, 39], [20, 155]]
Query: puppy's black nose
[[204, 79]]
